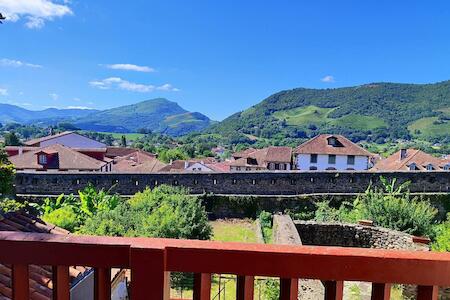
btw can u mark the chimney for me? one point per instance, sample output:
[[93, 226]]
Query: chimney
[[402, 153], [186, 164], [20, 151]]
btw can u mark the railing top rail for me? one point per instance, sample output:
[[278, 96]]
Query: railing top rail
[[325, 263]]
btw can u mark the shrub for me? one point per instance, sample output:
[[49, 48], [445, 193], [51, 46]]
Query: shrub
[[392, 207], [271, 289], [162, 212], [7, 173], [441, 240], [64, 217], [266, 222], [11, 205]]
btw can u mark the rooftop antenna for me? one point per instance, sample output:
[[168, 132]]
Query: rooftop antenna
[[2, 18]]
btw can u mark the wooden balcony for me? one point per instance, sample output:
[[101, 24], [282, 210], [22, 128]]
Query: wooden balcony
[[152, 260]]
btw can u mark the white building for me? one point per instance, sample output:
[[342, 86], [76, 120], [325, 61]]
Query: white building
[[331, 152]]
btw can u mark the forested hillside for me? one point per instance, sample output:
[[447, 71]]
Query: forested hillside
[[372, 112]]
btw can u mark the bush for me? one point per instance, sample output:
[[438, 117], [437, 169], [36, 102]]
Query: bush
[[347, 212], [11, 205], [266, 222], [271, 289], [64, 217], [7, 173], [162, 212], [392, 207], [442, 236]]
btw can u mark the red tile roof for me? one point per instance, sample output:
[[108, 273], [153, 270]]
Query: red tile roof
[[36, 142], [40, 276], [114, 152], [418, 157], [138, 161], [62, 158], [262, 157], [319, 145]]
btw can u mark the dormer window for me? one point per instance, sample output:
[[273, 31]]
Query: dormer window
[[447, 167], [332, 141], [413, 167], [42, 159], [430, 167]]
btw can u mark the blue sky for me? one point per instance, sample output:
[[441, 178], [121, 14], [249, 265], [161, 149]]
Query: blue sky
[[215, 57]]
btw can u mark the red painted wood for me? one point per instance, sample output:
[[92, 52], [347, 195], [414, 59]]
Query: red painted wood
[[102, 284], [427, 292], [202, 286], [20, 282], [334, 290], [381, 291], [288, 289], [61, 283], [245, 287], [149, 280]]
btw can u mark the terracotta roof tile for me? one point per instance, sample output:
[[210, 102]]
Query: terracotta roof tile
[[319, 145], [36, 142], [421, 159], [262, 157], [40, 276], [63, 158]]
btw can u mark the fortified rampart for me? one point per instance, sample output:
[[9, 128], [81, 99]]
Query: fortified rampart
[[248, 183]]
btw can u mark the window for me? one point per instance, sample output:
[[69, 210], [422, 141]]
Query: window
[[313, 168], [332, 159], [350, 160], [238, 168], [313, 159], [282, 167], [413, 167], [271, 166], [430, 167], [447, 167], [42, 159]]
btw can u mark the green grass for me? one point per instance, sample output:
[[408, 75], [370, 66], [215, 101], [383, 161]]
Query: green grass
[[303, 116], [429, 127], [234, 230]]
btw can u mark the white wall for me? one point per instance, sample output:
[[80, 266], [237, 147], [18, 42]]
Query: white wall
[[302, 162], [73, 140], [198, 167]]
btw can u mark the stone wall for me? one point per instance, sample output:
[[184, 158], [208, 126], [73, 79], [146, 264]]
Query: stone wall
[[248, 183], [355, 235]]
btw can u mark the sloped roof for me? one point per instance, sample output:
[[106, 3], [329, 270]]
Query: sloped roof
[[114, 152], [418, 157], [263, 156], [143, 166], [219, 167], [319, 145], [63, 158], [243, 153], [40, 276], [37, 141]]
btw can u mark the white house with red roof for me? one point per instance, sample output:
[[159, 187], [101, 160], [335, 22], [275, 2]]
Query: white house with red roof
[[331, 152]]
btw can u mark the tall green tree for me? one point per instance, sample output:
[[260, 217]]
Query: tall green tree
[[11, 139]]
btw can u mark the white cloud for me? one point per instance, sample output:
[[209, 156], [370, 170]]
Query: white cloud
[[54, 96], [36, 12], [77, 107], [328, 79], [119, 83], [167, 87], [4, 62], [131, 67], [3, 92]]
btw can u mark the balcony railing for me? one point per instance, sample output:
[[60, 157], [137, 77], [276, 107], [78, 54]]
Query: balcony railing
[[152, 260]]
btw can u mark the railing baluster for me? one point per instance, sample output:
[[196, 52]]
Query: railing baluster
[[102, 283], [427, 292], [20, 282], [334, 290], [149, 279], [61, 283], [288, 289], [381, 291], [202, 286], [245, 287]]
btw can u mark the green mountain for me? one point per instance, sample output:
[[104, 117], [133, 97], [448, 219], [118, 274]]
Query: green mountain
[[372, 111], [158, 115]]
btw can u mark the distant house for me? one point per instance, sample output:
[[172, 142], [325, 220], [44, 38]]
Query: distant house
[[68, 138], [192, 165], [270, 158], [331, 152], [58, 158], [137, 161], [41, 281], [412, 160]]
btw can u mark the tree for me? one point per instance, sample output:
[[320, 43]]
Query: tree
[[172, 154], [11, 139], [7, 173], [123, 141], [165, 211]]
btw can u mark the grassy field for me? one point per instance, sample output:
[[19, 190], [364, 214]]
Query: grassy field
[[303, 116], [234, 230], [430, 127], [129, 136]]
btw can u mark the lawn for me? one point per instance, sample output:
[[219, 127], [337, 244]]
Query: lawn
[[129, 136], [234, 230]]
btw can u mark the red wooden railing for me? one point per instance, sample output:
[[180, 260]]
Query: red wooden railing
[[151, 260]]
